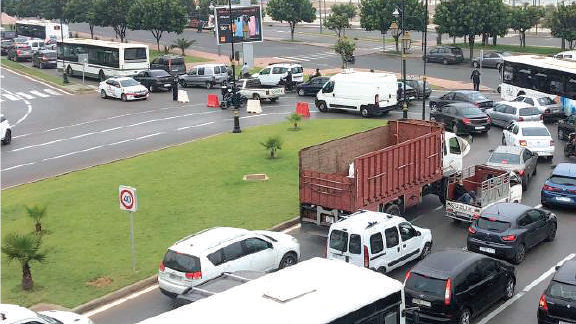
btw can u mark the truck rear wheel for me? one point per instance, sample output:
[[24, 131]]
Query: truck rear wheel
[[393, 209], [322, 106], [364, 112]]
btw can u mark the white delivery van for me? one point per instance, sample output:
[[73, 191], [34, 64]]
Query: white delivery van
[[369, 93], [377, 241]]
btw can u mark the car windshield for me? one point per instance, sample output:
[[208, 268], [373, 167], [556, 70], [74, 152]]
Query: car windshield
[[49, 319], [504, 158], [535, 131], [181, 262], [478, 97], [159, 73], [562, 291], [469, 111], [339, 240], [561, 180], [529, 111], [129, 83], [492, 225], [544, 101], [50, 54], [425, 284]]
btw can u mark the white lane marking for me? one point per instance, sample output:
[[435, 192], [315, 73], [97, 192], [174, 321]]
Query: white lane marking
[[35, 80], [284, 59], [293, 228], [37, 145], [525, 290], [53, 92], [193, 126], [28, 106], [18, 166], [11, 97], [24, 95], [146, 136], [124, 141], [39, 94], [120, 301]]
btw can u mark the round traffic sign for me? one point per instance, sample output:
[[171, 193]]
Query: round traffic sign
[[127, 199]]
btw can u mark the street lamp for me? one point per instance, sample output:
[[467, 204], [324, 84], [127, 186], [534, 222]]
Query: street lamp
[[395, 32], [235, 99], [406, 42]]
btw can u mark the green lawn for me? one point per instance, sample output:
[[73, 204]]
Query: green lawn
[[180, 190], [34, 72], [541, 50], [187, 58]]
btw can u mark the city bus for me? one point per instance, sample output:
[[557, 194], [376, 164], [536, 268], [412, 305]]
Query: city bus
[[42, 29], [105, 58], [315, 291], [535, 75]]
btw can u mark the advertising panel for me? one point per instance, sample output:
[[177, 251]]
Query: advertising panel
[[242, 23]]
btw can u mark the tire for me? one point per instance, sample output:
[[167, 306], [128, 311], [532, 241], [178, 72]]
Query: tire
[[552, 233], [7, 138], [393, 209], [103, 94], [322, 107], [425, 251], [256, 96], [433, 106], [509, 289], [520, 254], [101, 76], [41, 66], [499, 67], [183, 83], [301, 92], [475, 64], [549, 158], [499, 89], [464, 317], [273, 99], [123, 97], [289, 259], [503, 140], [445, 61], [364, 112], [208, 85]]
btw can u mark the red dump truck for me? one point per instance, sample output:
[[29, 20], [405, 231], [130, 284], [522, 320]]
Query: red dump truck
[[387, 168]]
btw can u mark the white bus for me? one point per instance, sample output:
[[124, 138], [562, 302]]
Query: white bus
[[535, 75], [42, 29], [316, 291], [105, 59]]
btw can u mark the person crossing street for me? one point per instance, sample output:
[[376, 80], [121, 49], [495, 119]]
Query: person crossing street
[[476, 79]]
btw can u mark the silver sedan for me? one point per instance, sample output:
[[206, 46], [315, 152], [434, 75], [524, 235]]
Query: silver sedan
[[515, 158]]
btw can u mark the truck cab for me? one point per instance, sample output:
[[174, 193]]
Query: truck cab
[[455, 149]]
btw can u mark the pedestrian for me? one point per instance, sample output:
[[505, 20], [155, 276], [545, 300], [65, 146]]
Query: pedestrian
[[175, 89], [475, 76], [245, 70], [317, 74]]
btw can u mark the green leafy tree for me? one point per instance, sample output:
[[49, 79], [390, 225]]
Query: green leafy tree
[[82, 11], [346, 9], [113, 14], [291, 11], [21, 8], [53, 9], [294, 119], [524, 18], [157, 16], [345, 47], [37, 213], [182, 43], [497, 21], [337, 23], [562, 24], [25, 248], [272, 144]]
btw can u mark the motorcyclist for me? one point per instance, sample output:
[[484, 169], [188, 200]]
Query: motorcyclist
[[288, 81]]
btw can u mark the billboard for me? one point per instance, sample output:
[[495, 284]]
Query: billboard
[[242, 23]]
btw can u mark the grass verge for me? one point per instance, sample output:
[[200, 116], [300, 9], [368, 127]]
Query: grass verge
[[187, 58], [541, 50], [181, 190], [37, 73]]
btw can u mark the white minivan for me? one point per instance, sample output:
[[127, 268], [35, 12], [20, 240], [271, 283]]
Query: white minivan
[[378, 241], [368, 93], [272, 74]]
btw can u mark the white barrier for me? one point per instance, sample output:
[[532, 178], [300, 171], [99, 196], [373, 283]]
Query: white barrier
[[183, 96], [253, 106]]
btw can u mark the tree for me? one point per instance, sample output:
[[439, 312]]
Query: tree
[[157, 16], [294, 119], [272, 144], [25, 248], [497, 21], [291, 11], [21, 8], [562, 24], [112, 13], [345, 47], [524, 18], [36, 213], [337, 23], [53, 9], [82, 11], [182, 44], [346, 9]]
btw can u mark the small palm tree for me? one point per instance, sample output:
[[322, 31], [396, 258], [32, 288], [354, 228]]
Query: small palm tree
[[272, 144], [36, 213], [25, 248], [294, 119], [182, 44]]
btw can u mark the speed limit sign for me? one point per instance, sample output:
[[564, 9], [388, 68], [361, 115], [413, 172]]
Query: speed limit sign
[[127, 196]]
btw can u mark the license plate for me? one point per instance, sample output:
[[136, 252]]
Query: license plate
[[421, 302], [565, 199], [173, 276], [167, 85], [479, 127], [487, 250]]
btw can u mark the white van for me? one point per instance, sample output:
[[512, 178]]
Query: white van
[[378, 241], [272, 74], [369, 93], [566, 56], [35, 44]]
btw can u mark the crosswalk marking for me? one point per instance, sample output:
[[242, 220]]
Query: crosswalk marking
[[24, 95], [53, 92], [39, 94], [28, 95], [11, 97], [306, 57]]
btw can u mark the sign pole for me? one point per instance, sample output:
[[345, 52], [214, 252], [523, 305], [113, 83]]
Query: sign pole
[[127, 197], [132, 241]]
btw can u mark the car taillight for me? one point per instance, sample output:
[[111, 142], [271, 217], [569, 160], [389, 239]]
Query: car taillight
[[550, 188], [542, 303], [521, 172], [366, 257], [508, 238], [194, 275], [448, 292], [44, 58], [471, 230], [572, 191], [520, 118], [466, 121], [475, 216], [522, 143], [551, 143], [19, 52], [161, 267], [408, 274]]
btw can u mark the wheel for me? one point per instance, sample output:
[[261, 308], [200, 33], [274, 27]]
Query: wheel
[[455, 129], [552, 233], [289, 259], [520, 254], [208, 85], [103, 94], [301, 92], [475, 64], [7, 138], [41, 65], [433, 106], [445, 61], [273, 99], [69, 70], [426, 250], [256, 96], [549, 158], [182, 83], [503, 140], [499, 89], [364, 112], [464, 317], [101, 76], [510, 286], [322, 106], [499, 67], [149, 87], [123, 97], [393, 209]]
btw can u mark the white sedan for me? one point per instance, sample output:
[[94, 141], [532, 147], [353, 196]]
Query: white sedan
[[123, 88], [532, 135], [21, 315]]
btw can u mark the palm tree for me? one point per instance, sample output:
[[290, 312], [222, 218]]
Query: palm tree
[[25, 248], [182, 44], [294, 119], [273, 144], [36, 213]]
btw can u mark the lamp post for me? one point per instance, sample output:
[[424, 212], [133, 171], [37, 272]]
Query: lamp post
[[235, 100], [394, 30], [406, 40], [425, 49]]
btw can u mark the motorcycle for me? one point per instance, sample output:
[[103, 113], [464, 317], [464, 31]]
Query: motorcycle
[[570, 146], [288, 86], [231, 98]]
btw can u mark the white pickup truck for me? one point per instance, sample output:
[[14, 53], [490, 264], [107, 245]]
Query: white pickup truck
[[253, 89], [490, 185]]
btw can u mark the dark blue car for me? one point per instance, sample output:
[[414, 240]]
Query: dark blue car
[[560, 188]]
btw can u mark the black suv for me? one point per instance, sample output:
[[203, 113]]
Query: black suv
[[155, 79], [507, 230], [557, 303], [173, 64], [44, 59], [445, 55], [453, 286]]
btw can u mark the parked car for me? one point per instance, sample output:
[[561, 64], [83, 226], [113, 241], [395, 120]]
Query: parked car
[[532, 135], [206, 75], [566, 126], [411, 94], [490, 59], [155, 79], [173, 64], [556, 305], [5, 130], [445, 55], [311, 87], [453, 286], [8, 34], [44, 59], [207, 254], [473, 97], [14, 314], [515, 158], [378, 241], [5, 45], [19, 52], [506, 112], [549, 109], [566, 55], [462, 118], [422, 90], [124, 88], [508, 230], [272, 74], [559, 189]]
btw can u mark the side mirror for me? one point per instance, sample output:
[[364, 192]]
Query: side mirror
[[418, 233], [492, 150]]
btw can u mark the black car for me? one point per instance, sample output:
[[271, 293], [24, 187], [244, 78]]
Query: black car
[[311, 87], [173, 64], [445, 55], [507, 230], [5, 45], [558, 302], [422, 91], [462, 118], [453, 286], [44, 59], [565, 127], [473, 97], [155, 79], [411, 94]]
